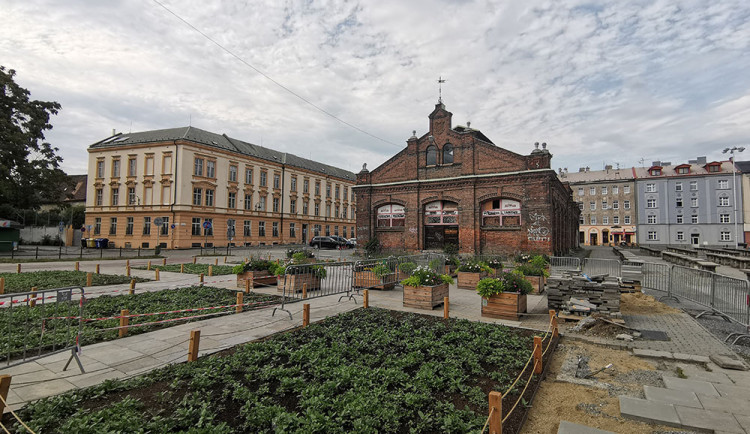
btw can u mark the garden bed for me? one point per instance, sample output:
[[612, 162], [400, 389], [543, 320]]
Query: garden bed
[[369, 370], [23, 282], [216, 270]]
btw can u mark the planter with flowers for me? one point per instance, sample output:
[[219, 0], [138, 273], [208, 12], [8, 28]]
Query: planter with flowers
[[504, 296], [535, 271], [297, 274], [496, 266], [425, 289], [405, 269], [256, 272], [376, 276], [469, 274]]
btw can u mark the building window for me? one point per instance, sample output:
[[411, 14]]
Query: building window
[[146, 225], [230, 229], [115, 196], [196, 226], [276, 181], [580, 191], [232, 200], [305, 207], [448, 154], [247, 228], [626, 189], [694, 219], [693, 185], [616, 204], [592, 206], [650, 203], [351, 232], [113, 226], [336, 230], [100, 168], [293, 184], [655, 172], [328, 210], [605, 220], [197, 196], [724, 201], [275, 229], [650, 188], [336, 211], [132, 166], [694, 202], [316, 230], [116, 169], [248, 201], [248, 176], [97, 226], [652, 236], [275, 205], [713, 168], [431, 155], [343, 212], [210, 169], [678, 202], [261, 229], [679, 219], [593, 219], [626, 204], [651, 219], [166, 164], [391, 215], [198, 167], [293, 206], [580, 206], [592, 191], [604, 190], [615, 189], [346, 193], [723, 218], [615, 220], [723, 184], [165, 226], [446, 213], [328, 230], [262, 203], [328, 190], [317, 209], [683, 170], [626, 220], [680, 236], [292, 230], [99, 197], [724, 236], [306, 186], [233, 173], [605, 205], [210, 230], [678, 186], [336, 192], [209, 197], [166, 194], [131, 195], [129, 226], [263, 178], [317, 188], [581, 220], [149, 166]]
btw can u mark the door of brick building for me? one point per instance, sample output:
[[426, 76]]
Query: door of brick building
[[437, 237]]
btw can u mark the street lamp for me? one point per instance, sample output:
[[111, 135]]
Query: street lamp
[[732, 150]]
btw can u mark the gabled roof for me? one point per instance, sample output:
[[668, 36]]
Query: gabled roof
[[476, 133], [76, 191], [695, 170], [597, 175], [743, 166], [224, 142]]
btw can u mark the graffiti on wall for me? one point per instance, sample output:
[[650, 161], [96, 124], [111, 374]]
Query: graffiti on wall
[[538, 231]]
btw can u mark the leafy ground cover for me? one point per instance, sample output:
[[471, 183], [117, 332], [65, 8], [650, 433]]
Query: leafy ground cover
[[369, 370], [54, 258], [23, 282], [48, 325], [217, 270]]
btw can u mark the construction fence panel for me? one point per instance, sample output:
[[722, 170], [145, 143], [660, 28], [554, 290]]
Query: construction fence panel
[[731, 297], [655, 276], [692, 284], [612, 267], [376, 273], [559, 264], [632, 271]]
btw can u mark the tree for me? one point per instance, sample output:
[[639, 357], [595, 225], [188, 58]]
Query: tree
[[30, 171]]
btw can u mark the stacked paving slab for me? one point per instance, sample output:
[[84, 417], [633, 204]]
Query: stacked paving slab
[[604, 296]]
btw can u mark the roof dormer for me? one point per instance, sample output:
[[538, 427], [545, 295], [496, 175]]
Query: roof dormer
[[655, 170], [682, 169], [713, 167]]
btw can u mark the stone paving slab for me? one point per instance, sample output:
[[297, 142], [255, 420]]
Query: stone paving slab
[[657, 354], [694, 372], [744, 421], [574, 428], [648, 411], [698, 387], [728, 362], [670, 396], [708, 420], [724, 405], [734, 391]]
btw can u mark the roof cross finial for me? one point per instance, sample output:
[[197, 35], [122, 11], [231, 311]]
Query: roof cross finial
[[440, 81]]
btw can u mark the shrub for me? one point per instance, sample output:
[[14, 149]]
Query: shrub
[[437, 264], [490, 286], [290, 253], [407, 267], [454, 261], [291, 269], [253, 265], [424, 276], [473, 266], [495, 264], [450, 249], [514, 282], [373, 247], [381, 270]]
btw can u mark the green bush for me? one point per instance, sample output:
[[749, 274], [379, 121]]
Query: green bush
[[473, 266], [490, 286], [407, 267], [381, 270], [424, 276], [514, 282], [372, 246], [450, 249], [253, 265]]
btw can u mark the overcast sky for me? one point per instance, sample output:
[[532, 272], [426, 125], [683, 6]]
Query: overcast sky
[[601, 82]]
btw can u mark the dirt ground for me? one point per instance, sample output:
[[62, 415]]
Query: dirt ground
[[638, 303], [590, 406]]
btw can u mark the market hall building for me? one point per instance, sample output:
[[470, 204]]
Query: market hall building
[[454, 186]]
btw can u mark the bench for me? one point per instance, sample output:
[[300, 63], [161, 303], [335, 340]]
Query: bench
[[739, 262], [687, 261], [651, 251], [681, 251]]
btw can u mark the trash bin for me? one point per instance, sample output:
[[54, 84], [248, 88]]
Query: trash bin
[[83, 242], [98, 243], [90, 242], [105, 243]]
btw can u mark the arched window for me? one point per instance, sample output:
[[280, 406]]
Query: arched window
[[441, 213], [501, 212], [448, 154], [391, 215], [431, 155]]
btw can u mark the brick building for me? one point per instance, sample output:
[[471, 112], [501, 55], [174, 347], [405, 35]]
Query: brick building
[[453, 185]]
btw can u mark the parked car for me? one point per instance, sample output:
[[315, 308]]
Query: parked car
[[344, 242], [353, 241], [326, 243]]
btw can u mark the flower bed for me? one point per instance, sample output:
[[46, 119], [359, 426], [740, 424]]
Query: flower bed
[[23, 282], [190, 268], [370, 370], [425, 289], [255, 272], [504, 296]]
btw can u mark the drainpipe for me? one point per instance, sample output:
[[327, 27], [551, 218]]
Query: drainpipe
[[283, 182], [174, 194]]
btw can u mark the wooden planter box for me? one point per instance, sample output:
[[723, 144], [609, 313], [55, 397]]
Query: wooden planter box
[[256, 278], [368, 279], [468, 280], [450, 270], [295, 282], [504, 306], [537, 282], [400, 275], [425, 297]]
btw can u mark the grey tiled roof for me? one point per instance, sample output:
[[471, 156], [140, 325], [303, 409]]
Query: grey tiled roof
[[625, 173], [222, 141]]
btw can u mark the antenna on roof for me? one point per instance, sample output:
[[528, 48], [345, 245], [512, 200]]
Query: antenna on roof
[[190, 120]]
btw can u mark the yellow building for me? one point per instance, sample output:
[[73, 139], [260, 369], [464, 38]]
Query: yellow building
[[190, 178]]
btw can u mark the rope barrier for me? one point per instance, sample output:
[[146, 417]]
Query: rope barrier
[[521, 395], [531, 356], [197, 309], [4, 428], [492, 409], [16, 416]]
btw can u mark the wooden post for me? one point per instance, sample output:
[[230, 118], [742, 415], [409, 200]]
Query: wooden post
[[195, 258], [132, 287], [210, 270], [18, 268], [182, 268], [304, 290], [127, 263], [127, 270], [446, 308], [77, 266], [195, 339], [201, 279], [366, 302], [156, 274], [97, 269], [305, 314], [32, 297], [216, 261], [247, 286], [124, 321], [537, 355], [225, 259], [89, 279], [496, 413], [2, 285], [4, 389], [553, 319], [148, 267], [238, 309], [164, 261]]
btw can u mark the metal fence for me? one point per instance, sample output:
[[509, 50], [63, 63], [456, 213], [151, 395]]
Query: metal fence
[[560, 264], [612, 267], [631, 271], [40, 323], [655, 276]]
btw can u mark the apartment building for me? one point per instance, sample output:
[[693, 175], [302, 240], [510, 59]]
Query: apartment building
[[688, 204], [607, 201], [211, 189]]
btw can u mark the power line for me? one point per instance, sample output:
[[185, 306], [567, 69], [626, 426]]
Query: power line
[[322, 110]]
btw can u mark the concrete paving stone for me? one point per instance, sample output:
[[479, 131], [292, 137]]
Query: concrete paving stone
[[574, 428], [145, 346], [690, 358], [115, 355], [728, 362], [137, 364], [702, 387], [724, 404], [670, 396], [640, 352], [738, 377], [23, 368], [33, 377], [708, 420], [95, 378], [734, 391], [43, 389], [13, 397], [694, 372], [744, 421], [648, 411]]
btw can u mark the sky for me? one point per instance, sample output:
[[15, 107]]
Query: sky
[[601, 82]]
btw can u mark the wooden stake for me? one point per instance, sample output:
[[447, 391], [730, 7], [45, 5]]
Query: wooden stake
[[2, 285], [148, 267], [225, 259], [210, 270], [305, 315], [4, 389], [124, 321], [446, 308], [537, 355], [164, 261], [216, 261], [156, 274], [304, 290], [127, 270], [97, 269], [195, 258], [201, 278], [89, 279], [553, 319], [132, 285], [195, 340], [77, 266], [247, 286], [366, 303], [496, 413], [18, 268], [182, 268], [238, 309], [32, 302], [127, 263]]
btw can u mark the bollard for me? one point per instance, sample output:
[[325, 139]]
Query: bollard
[[247, 286], [164, 261], [127, 263], [97, 269], [304, 290], [195, 258], [238, 309], [77, 266], [553, 319], [216, 261], [305, 314], [156, 274], [225, 259], [195, 339], [32, 298], [4, 389], [182, 268], [446, 308], [124, 320], [496, 413], [18, 268], [89, 279], [210, 270], [127, 271], [537, 355], [132, 287], [148, 267], [201, 279], [2, 285], [366, 302]]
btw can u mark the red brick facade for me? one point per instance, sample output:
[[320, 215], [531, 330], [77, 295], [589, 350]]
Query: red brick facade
[[487, 199]]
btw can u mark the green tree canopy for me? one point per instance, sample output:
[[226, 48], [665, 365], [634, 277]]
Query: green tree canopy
[[30, 172]]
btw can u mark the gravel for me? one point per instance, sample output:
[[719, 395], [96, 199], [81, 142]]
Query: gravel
[[641, 377]]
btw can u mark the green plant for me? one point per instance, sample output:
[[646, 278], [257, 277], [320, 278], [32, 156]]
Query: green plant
[[252, 265], [495, 264], [381, 270], [540, 261], [473, 266], [23, 282], [307, 254], [299, 257], [372, 246], [530, 269], [450, 249], [437, 264], [454, 261], [291, 269], [425, 276], [490, 286], [407, 267], [514, 282]]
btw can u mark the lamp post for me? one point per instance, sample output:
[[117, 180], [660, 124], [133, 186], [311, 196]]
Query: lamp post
[[731, 151]]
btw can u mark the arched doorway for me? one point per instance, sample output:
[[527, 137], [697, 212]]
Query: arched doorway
[[440, 224], [593, 237], [605, 236]]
